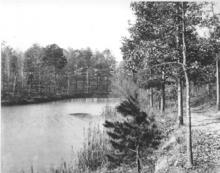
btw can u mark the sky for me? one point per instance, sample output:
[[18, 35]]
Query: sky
[[78, 23], [98, 24]]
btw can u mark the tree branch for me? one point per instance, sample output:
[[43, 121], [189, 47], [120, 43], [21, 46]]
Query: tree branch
[[169, 63]]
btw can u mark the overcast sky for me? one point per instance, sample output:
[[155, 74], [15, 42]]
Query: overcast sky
[[78, 24]]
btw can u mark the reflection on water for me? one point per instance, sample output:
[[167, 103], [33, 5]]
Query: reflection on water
[[43, 135]]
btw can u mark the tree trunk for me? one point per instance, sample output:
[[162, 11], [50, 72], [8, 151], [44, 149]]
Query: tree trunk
[[188, 113], [14, 84], [138, 159], [97, 82], [29, 90], [68, 84], [107, 84], [151, 98], [217, 86], [22, 78], [55, 81], [39, 82], [159, 103], [83, 83], [180, 101], [55, 84], [8, 67], [217, 74], [76, 86], [208, 88], [162, 97], [162, 107], [87, 81], [179, 81]]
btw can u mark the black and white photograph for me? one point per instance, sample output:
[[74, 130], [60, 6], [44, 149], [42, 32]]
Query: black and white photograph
[[110, 86]]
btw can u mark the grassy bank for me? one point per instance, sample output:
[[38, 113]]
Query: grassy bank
[[172, 155]]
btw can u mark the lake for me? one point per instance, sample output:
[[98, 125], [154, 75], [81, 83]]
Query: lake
[[44, 135]]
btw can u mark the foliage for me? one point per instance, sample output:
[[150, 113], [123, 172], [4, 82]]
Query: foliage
[[50, 72], [135, 133], [53, 56], [153, 41], [92, 156], [164, 44]]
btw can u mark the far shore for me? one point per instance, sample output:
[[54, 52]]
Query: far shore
[[45, 99]]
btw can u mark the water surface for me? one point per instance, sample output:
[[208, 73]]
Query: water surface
[[44, 135]]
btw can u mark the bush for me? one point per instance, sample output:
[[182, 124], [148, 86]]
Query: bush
[[129, 138]]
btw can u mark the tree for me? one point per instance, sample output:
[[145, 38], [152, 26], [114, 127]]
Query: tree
[[188, 113], [215, 36], [11, 70], [133, 135], [54, 58], [33, 67], [71, 70], [6, 53], [152, 43]]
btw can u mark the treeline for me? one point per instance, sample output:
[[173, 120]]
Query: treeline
[[42, 73]]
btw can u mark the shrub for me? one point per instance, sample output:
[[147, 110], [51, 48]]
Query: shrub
[[131, 136]]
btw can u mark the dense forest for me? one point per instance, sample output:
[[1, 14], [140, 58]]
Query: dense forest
[[45, 73]]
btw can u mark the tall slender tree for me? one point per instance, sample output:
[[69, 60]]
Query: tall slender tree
[[215, 37], [188, 113]]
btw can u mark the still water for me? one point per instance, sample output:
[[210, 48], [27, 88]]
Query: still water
[[44, 135]]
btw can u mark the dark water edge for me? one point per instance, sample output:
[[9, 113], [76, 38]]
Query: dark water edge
[[38, 100]]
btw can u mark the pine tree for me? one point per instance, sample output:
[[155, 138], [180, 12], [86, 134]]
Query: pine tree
[[131, 136]]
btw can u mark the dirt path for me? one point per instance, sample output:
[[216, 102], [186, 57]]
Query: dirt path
[[205, 145], [206, 119], [206, 137]]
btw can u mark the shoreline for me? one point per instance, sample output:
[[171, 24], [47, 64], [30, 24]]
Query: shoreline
[[39, 100]]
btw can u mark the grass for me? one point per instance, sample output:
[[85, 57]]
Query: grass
[[109, 113], [91, 156]]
